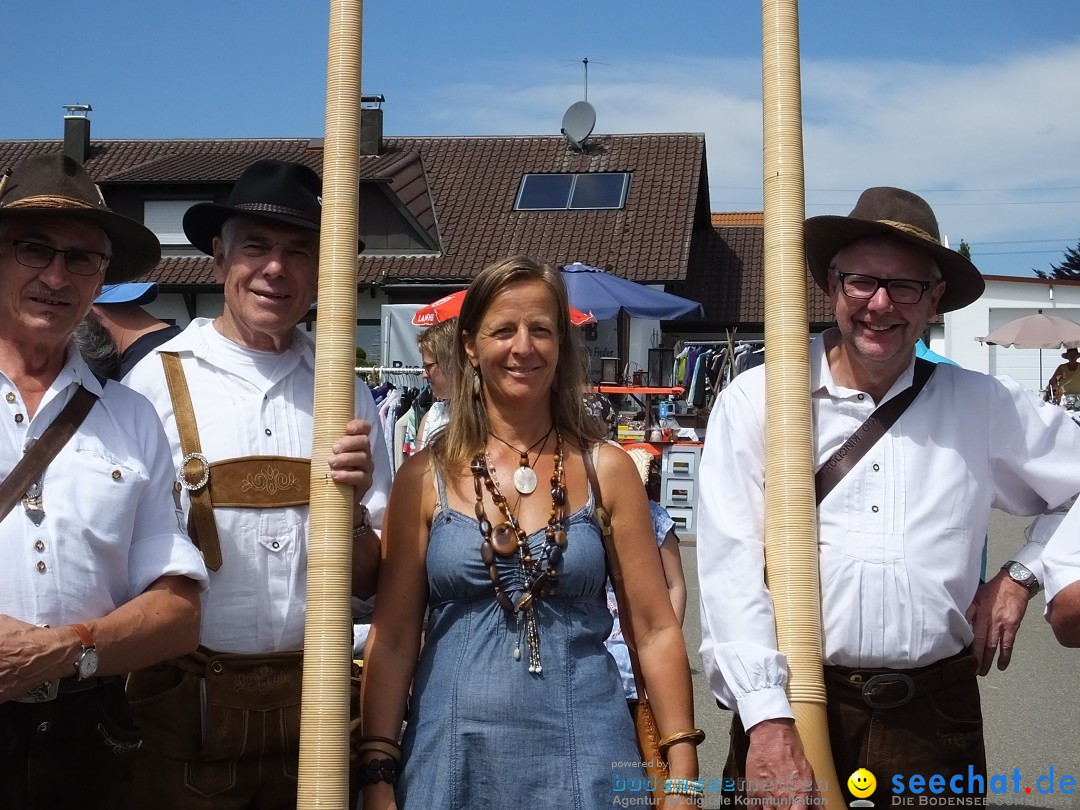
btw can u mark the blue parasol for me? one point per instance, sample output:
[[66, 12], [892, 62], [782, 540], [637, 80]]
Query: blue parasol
[[605, 295]]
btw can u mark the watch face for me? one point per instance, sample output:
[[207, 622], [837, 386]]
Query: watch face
[[1019, 573], [88, 663]]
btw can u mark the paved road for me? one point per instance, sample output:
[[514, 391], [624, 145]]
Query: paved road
[[1031, 710]]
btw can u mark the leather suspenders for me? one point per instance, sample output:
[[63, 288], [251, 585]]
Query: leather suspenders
[[247, 482]]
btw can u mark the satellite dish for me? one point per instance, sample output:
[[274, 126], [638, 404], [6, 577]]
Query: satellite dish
[[577, 123]]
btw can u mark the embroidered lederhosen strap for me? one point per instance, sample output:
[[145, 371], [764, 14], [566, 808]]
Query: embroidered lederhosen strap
[[250, 482], [44, 450]]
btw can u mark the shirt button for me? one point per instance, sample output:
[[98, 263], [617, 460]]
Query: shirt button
[[18, 418], [275, 545], [877, 467], [10, 397], [39, 546], [861, 397], [117, 475], [873, 509], [41, 566], [267, 432], [43, 728]]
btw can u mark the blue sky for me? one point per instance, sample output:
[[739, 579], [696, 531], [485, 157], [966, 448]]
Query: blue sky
[[975, 105]]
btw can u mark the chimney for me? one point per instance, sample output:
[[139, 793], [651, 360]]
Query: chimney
[[371, 125], [77, 132]]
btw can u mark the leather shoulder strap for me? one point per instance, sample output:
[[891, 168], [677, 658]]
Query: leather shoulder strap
[[603, 520], [44, 450], [194, 468], [859, 443]]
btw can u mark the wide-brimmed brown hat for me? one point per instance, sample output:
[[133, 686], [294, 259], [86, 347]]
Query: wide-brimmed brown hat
[[887, 211], [278, 190], [1071, 354], [57, 185]]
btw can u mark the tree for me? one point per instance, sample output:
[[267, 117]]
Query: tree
[[1070, 268], [964, 250]]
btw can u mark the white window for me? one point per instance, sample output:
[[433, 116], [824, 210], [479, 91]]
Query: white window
[[166, 219]]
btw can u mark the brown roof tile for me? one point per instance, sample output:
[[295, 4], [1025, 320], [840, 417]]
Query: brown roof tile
[[729, 280], [461, 192], [737, 218]]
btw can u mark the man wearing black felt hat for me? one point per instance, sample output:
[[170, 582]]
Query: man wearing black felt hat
[[236, 396], [911, 457], [99, 577]]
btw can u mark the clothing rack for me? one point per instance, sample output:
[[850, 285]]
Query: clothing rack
[[413, 370]]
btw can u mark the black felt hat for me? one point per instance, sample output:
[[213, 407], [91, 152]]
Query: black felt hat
[[886, 211], [278, 190], [56, 185]]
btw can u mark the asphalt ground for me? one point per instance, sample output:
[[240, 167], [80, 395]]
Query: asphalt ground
[[1031, 710]]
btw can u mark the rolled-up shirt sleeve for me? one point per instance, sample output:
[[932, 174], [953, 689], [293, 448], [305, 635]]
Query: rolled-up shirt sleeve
[[738, 649], [1061, 558]]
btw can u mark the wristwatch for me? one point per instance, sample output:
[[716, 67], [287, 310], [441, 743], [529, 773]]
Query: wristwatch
[[87, 663], [1021, 574]]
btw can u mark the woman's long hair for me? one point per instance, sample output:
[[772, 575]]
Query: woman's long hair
[[466, 434]]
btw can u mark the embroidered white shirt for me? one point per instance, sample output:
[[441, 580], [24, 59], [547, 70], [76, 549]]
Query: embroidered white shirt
[[254, 403], [900, 537], [111, 524]]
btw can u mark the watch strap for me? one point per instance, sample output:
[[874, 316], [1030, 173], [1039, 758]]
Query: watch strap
[[85, 636]]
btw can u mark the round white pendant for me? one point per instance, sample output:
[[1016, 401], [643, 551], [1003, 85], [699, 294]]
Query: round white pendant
[[524, 480]]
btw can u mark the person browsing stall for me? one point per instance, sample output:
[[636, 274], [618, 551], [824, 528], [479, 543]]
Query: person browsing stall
[[99, 578], [436, 345], [491, 532], [236, 396], [906, 624]]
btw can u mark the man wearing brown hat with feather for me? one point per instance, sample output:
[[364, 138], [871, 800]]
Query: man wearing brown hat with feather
[[99, 578], [904, 500]]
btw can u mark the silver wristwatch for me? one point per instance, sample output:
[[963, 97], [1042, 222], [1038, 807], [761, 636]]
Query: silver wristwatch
[[1021, 574]]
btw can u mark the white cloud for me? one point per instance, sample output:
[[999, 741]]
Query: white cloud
[[968, 136]]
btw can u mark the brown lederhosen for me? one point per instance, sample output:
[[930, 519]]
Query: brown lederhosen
[[218, 726], [924, 721]]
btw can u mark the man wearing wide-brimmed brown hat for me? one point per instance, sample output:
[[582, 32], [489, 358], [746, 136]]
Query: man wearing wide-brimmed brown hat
[[911, 457], [99, 578], [236, 396]]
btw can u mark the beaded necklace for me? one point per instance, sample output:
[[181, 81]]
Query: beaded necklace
[[539, 576]]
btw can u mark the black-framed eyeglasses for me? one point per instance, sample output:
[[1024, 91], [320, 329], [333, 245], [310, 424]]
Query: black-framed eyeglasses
[[427, 367], [899, 290], [37, 256]]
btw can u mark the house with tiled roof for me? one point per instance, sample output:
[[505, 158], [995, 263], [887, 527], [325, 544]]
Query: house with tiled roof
[[436, 210]]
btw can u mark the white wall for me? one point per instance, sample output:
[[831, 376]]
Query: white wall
[[1005, 299]]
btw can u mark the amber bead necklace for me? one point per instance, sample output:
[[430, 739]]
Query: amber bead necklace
[[539, 576]]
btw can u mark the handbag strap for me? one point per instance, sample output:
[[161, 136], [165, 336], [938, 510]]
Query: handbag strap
[[603, 520], [44, 450], [194, 468], [859, 443]]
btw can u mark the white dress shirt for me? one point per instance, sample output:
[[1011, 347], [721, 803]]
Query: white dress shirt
[[254, 403], [900, 537], [1061, 560], [111, 526]]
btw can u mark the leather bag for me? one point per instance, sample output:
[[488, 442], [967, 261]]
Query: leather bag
[[648, 733]]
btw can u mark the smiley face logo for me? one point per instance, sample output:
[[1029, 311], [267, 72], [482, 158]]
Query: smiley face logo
[[861, 783]]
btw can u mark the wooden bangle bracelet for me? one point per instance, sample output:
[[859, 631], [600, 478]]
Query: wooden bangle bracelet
[[694, 735], [392, 751]]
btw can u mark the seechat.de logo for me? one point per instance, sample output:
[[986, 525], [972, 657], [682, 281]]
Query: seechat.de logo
[[862, 785]]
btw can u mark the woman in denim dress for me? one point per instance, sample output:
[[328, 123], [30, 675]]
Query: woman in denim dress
[[490, 532]]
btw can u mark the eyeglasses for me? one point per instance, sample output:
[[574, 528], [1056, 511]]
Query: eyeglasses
[[77, 260], [899, 290], [427, 367]]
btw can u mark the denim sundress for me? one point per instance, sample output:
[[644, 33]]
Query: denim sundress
[[482, 731]]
